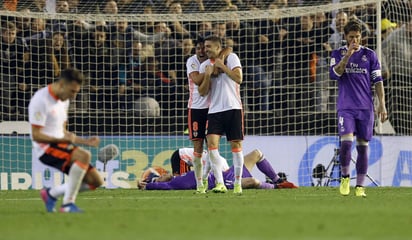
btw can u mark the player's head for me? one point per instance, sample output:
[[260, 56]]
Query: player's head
[[200, 49], [353, 33], [156, 174], [69, 84], [213, 45]]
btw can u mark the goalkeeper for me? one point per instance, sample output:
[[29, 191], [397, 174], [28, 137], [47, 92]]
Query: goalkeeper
[[187, 181]]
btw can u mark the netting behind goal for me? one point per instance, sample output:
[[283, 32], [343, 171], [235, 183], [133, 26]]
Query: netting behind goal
[[136, 94]]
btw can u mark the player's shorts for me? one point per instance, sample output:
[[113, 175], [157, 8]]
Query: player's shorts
[[179, 166], [58, 155], [197, 123], [358, 122], [228, 122]]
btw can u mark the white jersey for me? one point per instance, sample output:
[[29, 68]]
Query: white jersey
[[224, 93], [196, 101], [49, 113]]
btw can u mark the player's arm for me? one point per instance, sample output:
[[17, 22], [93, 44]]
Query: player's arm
[[234, 74], [196, 77], [204, 87], [93, 141], [380, 92], [40, 137]]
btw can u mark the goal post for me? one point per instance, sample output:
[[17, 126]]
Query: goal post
[[137, 90]]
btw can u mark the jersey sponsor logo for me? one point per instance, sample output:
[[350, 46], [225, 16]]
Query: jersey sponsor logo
[[364, 58]]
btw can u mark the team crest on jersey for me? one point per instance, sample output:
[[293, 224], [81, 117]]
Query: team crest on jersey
[[343, 52], [38, 116], [195, 134], [364, 58]]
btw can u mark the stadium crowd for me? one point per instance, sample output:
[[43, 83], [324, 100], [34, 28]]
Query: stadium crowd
[[285, 60]]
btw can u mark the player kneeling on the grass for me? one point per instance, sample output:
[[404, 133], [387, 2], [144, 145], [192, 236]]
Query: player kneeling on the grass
[[186, 181], [55, 146]]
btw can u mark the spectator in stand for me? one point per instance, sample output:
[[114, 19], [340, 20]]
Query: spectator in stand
[[396, 49], [300, 61], [179, 29], [204, 29], [150, 81], [246, 44], [14, 53], [271, 33], [48, 57], [23, 24], [110, 7], [396, 10], [99, 60], [35, 6], [175, 65], [322, 82]]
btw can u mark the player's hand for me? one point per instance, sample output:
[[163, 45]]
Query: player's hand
[[219, 63], [93, 141], [141, 185], [382, 113], [209, 70]]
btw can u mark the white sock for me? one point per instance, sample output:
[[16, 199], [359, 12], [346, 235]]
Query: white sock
[[216, 166], [76, 175], [238, 164], [59, 191], [198, 167], [206, 167]]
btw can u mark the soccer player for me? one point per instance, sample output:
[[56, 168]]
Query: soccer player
[[356, 67], [198, 107], [55, 146], [164, 181], [197, 111], [225, 114], [182, 160]]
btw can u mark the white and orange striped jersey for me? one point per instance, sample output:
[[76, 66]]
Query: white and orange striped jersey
[[224, 93], [49, 113], [196, 101]]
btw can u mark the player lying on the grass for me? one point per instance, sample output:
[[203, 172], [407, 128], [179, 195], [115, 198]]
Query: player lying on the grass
[[165, 181]]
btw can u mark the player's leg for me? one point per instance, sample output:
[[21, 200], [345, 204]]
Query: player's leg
[[238, 160], [57, 156], [213, 145], [361, 166], [175, 161], [197, 133], [363, 136], [80, 161], [346, 128], [233, 121]]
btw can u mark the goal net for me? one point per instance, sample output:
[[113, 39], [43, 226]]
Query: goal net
[[134, 54]]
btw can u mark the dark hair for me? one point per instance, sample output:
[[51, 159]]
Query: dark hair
[[199, 40], [353, 25], [214, 38], [72, 75]]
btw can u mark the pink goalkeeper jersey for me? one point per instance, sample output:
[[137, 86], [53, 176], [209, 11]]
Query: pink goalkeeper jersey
[[196, 101], [49, 113], [224, 93]]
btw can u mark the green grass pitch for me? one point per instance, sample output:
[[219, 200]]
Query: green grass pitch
[[304, 213]]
